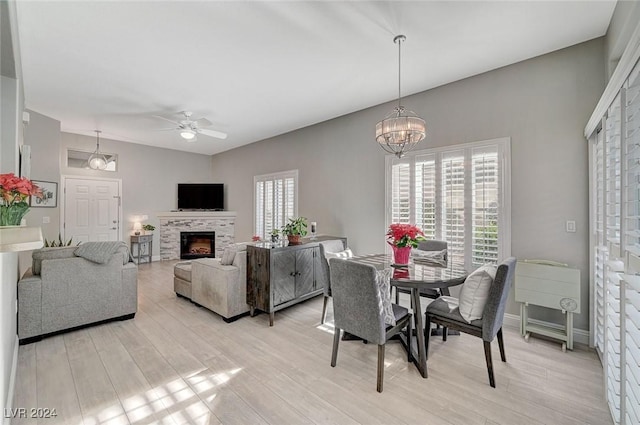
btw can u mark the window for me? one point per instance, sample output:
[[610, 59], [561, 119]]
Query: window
[[275, 201], [459, 194]]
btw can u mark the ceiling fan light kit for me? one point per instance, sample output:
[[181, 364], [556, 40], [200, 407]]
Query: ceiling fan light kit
[[401, 130], [97, 161], [188, 134]]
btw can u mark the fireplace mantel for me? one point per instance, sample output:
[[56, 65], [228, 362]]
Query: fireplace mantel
[[173, 222], [195, 214]]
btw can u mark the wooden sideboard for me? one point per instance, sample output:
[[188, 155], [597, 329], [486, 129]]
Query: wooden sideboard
[[279, 276]]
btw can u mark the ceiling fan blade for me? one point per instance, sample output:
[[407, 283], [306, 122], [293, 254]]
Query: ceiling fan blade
[[166, 119], [168, 129], [212, 133], [203, 122]]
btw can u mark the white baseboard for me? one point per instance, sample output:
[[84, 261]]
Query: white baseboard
[[579, 336], [12, 380]]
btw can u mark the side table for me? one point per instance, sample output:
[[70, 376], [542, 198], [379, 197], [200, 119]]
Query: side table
[[144, 247]]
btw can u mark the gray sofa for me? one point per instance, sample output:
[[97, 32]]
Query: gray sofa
[[63, 291]]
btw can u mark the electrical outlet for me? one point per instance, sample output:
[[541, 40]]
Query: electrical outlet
[[46, 220], [571, 226]]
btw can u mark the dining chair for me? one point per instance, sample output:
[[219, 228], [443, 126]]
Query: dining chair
[[330, 246], [490, 325], [359, 310], [431, 246]]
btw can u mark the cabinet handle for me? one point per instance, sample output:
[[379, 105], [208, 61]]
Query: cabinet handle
[[292, 274]]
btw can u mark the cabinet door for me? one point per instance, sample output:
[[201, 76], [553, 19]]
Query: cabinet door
[[283, 278], [304, 271]]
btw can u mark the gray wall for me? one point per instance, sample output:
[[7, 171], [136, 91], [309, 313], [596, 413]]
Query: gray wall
[[43, 135], [542, 104]]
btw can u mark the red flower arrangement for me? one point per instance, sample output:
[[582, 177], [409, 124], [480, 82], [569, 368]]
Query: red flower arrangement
[[14, 189], [404, 235], [14, 192]]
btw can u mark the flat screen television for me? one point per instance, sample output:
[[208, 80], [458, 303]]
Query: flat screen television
[[201, 196]]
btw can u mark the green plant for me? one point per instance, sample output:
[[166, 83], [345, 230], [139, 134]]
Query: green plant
[[295, 227], [58, 243], [148, 227], [275, 232]]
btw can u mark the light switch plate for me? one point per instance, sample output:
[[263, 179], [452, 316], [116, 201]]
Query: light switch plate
[[46, 220], [571, 226]]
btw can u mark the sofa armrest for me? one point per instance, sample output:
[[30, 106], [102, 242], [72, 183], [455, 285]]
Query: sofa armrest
[[29, 306]]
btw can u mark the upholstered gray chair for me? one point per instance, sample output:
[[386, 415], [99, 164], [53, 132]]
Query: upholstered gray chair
[[486, 328], [334, 245], [357, 309], [429, 245]]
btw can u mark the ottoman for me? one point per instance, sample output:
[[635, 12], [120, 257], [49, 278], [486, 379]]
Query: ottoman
[[182, 279]]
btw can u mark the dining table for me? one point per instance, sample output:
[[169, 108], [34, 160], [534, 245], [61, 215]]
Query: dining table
[[417, 276]]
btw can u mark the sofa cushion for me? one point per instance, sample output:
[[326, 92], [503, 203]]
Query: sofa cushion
[[49, 254], [384, 300], [228, 255], [475, 291], [347, 253], [182, 270], [100, 252]]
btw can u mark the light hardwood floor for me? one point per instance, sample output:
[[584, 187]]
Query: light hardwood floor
[[177, 363]]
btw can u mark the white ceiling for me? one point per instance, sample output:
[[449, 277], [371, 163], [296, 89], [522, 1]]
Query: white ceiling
[[259, 69]]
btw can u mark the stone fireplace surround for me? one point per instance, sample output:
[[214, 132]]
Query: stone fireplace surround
[[172, 223]]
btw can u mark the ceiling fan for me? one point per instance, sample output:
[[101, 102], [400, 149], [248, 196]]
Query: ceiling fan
[[190, 128]]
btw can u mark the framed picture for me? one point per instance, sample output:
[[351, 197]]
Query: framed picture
[[50, 192]]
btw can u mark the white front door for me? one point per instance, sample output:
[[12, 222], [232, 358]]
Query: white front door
[[92, 209]]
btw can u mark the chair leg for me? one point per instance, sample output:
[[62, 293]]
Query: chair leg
[[336, 342], [397, 297], [427, 333], [487, 356], [380, 367], [501, 345], [409, 340], [444, 333], [324, 309]]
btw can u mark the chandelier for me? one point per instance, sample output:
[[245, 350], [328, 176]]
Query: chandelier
[[401, 130], [97, 161]]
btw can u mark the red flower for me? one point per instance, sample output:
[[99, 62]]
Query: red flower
[[15, 189], [402, 235]]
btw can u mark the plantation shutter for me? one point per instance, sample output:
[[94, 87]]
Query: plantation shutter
[[425, 195], [453, 208], [485, 203], [456, 194], [275, 201], [401, 189], [600, 250]]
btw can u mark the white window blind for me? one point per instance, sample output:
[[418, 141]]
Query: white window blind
[[616, 246], [275, 201], [600, 248], [459, 194]]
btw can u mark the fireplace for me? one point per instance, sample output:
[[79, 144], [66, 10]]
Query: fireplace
[[197, 245]]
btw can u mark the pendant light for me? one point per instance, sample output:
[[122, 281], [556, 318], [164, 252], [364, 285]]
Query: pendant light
[[401, 130], [97, 161]]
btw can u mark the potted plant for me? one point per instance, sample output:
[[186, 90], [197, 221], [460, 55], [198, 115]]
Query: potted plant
[[403, 237], [148, 228], [295, 229]]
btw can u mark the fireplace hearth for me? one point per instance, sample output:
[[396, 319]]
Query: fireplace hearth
[[197, 245]]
